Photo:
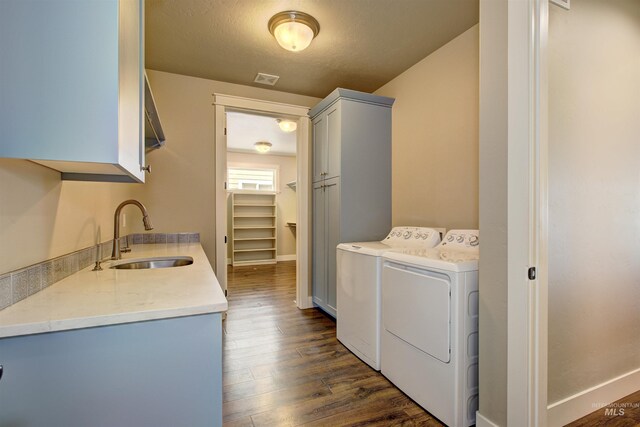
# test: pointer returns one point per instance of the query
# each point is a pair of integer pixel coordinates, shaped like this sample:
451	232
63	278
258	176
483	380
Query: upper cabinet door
72	87
319	147
332	166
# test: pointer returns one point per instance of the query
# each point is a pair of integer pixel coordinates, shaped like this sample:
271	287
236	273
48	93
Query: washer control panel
412	237
461	240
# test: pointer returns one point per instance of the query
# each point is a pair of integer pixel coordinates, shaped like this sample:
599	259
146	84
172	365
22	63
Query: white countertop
109	297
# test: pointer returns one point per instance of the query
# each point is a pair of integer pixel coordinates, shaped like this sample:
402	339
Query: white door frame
527	212
303	160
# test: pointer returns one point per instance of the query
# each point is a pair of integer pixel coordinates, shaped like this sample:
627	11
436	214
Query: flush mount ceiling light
262	146
293	30
287	125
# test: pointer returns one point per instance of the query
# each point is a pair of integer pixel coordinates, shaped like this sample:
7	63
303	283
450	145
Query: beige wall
594	194
435	137
285	199
180	190
42	217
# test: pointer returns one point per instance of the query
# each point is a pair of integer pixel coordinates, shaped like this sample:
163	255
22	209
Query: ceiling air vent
266	79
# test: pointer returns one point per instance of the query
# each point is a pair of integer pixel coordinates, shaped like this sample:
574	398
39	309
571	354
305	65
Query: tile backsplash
19	284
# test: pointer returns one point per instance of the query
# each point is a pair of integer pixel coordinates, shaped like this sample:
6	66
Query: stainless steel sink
157	262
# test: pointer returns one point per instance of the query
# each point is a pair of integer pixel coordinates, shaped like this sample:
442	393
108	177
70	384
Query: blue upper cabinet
72	86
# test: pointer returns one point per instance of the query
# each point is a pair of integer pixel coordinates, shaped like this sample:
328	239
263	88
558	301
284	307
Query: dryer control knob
460	238
450	238
473	241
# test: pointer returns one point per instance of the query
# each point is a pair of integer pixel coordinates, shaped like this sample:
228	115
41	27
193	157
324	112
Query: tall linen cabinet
351	181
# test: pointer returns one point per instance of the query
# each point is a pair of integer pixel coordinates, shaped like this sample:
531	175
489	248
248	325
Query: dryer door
416	308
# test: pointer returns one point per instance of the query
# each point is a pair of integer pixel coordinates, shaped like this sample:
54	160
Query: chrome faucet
115	254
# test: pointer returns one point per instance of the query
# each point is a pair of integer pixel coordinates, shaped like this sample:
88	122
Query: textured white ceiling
362	44
244	130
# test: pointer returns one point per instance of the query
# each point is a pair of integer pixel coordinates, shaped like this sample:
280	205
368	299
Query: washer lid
367	248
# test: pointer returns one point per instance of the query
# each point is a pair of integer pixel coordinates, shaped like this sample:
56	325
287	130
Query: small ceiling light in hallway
262	146
294	30
287	125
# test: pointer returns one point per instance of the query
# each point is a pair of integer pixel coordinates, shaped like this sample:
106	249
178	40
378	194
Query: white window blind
255	179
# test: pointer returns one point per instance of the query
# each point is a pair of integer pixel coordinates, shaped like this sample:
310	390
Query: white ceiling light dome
287	125
262	146
294	30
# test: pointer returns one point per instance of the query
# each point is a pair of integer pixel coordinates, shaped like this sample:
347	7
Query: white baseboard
592	399
308	305
482	421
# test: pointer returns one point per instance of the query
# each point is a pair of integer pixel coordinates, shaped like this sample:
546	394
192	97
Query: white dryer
359	268
429	338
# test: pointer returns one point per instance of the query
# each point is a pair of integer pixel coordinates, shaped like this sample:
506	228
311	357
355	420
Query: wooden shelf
254	225
253	238
255	250
255	262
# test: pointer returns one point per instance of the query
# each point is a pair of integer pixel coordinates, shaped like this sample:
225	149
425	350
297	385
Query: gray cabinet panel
352	180
366	171
157	373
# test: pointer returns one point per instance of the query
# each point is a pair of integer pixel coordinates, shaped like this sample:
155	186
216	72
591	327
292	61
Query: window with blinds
254	179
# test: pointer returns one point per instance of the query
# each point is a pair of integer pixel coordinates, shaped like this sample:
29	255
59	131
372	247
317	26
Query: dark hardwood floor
284	367
623	413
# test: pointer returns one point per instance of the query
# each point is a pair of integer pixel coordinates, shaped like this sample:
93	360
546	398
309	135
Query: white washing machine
429	338
359	268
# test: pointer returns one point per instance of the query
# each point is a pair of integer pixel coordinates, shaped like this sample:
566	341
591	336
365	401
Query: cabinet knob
145	168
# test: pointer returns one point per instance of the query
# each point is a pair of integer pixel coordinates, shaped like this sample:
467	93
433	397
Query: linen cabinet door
332	219
319	263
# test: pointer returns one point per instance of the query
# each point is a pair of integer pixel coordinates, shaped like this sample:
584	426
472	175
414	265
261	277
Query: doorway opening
262	194
261	190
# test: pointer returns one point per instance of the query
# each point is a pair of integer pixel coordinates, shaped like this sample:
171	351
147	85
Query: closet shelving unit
254	234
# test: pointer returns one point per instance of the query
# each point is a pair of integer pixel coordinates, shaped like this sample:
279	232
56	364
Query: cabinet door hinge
225	131
532	273
225	185
225	239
